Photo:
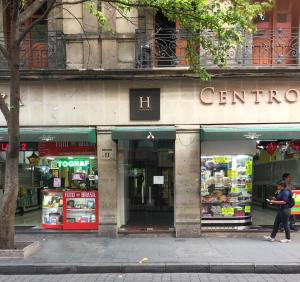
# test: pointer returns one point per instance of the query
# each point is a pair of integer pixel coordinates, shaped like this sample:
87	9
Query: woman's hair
285	175
281	183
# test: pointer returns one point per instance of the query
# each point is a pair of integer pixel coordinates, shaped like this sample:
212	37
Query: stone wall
106	102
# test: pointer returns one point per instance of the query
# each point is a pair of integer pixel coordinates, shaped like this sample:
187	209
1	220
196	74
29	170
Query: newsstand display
52	205
226	191
70	195
73	210
81	210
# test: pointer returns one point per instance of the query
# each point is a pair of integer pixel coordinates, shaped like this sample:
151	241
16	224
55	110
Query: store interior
234	187
47	176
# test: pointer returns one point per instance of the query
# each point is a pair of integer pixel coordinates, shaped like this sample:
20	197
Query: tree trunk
11	188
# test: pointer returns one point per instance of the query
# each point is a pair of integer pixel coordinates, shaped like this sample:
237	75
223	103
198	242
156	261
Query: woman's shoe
285	241
269	238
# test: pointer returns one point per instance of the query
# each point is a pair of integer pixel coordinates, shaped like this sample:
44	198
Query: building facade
157	127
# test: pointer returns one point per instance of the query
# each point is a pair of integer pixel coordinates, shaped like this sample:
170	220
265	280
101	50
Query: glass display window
226	186
81	208
52	204
70	172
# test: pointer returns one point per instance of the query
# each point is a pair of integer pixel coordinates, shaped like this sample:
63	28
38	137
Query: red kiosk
70	210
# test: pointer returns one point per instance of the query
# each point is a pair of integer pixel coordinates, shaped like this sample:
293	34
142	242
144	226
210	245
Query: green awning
141	133
250	133
49	134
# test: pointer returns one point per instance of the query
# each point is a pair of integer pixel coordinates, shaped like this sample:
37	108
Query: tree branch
42	17
3	107
71	3
30	10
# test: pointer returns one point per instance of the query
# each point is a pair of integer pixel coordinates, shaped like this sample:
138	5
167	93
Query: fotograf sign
144	104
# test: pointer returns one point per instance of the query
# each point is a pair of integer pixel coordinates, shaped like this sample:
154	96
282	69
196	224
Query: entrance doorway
147	184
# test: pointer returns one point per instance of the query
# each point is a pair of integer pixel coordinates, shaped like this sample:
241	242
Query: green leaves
93	9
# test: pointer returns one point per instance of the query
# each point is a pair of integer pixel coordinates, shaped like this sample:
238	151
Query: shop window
62	179
226	190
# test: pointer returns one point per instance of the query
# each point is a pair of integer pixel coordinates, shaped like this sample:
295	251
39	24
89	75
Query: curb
150	268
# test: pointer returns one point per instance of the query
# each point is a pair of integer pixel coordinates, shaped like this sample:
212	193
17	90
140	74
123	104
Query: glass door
149	183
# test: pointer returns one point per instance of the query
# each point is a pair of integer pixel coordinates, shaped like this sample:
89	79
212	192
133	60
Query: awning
141	133
250	133
49	134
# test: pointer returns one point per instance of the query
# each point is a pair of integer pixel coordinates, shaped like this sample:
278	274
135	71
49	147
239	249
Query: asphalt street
151	277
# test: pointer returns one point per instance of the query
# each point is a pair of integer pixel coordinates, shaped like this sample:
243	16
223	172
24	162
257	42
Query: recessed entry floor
145	220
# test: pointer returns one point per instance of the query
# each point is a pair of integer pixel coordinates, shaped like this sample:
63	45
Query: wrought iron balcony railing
40	50
266	48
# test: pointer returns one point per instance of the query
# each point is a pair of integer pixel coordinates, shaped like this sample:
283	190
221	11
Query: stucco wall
107	102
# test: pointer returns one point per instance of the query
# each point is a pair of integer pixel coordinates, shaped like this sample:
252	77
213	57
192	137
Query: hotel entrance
146	183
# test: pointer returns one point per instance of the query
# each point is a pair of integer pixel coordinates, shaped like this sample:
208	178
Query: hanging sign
221	160
234	189
247	209
248	167
227	211
295	210
73	163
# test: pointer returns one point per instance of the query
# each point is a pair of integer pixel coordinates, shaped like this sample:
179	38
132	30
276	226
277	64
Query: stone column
107	170
187	182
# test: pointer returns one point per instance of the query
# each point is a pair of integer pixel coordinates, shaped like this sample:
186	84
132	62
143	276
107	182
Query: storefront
146	177
240	166
58	178
169	154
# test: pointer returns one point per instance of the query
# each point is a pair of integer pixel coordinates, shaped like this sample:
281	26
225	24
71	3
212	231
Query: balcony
265	49
40	50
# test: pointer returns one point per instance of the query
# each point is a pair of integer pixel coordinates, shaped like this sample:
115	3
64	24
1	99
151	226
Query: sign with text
295	210
211	95
66	149
78	194
145	104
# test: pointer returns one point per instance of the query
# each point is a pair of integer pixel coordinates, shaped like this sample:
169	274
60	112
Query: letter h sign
144	104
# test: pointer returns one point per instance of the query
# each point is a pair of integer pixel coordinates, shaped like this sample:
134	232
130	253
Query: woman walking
282	200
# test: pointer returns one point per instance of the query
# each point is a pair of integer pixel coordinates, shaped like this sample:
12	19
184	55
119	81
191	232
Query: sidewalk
215	253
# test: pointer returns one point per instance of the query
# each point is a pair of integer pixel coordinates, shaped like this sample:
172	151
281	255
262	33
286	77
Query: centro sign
209	96
72	163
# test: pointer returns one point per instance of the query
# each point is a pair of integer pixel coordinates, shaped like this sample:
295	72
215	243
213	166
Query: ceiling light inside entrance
47	138
252	135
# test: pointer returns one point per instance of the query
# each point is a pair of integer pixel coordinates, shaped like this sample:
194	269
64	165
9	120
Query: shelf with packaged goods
228	203
86	210
81	210
225	217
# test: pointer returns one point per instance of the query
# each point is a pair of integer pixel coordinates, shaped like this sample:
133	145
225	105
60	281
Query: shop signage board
66	149
106	154
296	208
211	95
144	104
72	163
24	146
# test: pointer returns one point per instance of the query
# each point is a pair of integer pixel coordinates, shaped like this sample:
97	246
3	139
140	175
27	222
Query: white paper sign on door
158	179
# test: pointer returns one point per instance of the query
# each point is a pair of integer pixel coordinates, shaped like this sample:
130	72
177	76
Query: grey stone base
22	250
187	230
108	230
150	268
